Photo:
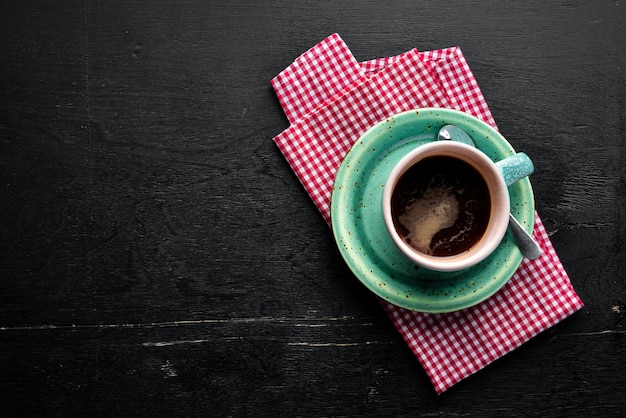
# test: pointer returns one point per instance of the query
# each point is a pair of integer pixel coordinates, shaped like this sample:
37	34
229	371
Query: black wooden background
159	258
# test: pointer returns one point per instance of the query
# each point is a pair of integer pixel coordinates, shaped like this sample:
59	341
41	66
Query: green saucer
365	244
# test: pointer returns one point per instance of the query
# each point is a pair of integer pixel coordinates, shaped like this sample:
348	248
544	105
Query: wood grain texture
159	258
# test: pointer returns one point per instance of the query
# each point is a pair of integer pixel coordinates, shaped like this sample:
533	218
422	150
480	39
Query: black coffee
441	206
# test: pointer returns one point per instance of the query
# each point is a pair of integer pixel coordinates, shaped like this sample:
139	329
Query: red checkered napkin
331	100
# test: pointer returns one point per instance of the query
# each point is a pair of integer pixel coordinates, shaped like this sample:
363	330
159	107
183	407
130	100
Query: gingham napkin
330	100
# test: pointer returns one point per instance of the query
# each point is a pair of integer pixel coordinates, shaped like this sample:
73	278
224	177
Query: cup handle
515	167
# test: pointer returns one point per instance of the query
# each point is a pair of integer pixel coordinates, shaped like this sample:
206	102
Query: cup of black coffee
446	204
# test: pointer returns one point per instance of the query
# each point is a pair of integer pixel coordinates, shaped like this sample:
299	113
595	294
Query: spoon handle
525	242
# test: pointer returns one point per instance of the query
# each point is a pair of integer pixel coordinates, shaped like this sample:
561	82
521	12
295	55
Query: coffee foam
437	209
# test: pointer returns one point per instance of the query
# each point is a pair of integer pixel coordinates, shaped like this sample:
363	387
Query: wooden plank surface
159	258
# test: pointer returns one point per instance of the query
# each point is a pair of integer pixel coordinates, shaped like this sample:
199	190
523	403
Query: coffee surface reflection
441	206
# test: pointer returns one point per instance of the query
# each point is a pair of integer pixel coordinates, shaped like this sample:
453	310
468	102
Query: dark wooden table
159	258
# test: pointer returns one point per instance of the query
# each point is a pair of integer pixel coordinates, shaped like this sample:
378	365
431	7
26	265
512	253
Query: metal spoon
525	242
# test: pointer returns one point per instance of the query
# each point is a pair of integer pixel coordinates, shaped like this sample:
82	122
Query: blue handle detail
515	167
